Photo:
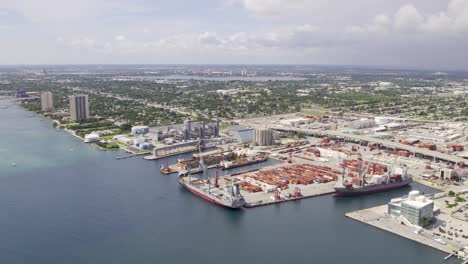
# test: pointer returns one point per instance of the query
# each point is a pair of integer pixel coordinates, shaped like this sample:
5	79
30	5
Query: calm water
246	135
67	202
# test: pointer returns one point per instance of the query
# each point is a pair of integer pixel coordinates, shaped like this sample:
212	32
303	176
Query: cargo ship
228	195
377	183
229	165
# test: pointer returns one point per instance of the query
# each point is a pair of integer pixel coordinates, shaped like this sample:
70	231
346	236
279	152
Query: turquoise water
67	202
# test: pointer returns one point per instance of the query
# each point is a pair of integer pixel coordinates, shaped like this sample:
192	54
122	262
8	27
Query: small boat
165	169
13	164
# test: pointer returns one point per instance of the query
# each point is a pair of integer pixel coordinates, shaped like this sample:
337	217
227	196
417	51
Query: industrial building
190	130
263	137
415	208
187	129
47	102
21	94
363	123
79	107
123	139
140	130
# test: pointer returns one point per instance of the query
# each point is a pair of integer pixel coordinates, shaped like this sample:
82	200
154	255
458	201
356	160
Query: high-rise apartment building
79	107
47	101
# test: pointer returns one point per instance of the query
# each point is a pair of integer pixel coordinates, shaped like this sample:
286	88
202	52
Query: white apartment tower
79	107
47	101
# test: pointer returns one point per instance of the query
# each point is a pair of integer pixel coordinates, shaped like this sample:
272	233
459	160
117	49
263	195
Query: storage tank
91	138
421	198
412	195
140	140
263	137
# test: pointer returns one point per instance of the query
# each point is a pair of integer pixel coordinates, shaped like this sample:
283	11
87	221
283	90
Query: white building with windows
415	208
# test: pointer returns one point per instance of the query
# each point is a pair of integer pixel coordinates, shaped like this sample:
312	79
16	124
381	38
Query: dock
307	191
131	156
125	157
272	201
171	153
209	153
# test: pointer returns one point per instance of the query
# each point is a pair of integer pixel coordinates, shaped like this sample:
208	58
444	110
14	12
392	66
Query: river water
67	202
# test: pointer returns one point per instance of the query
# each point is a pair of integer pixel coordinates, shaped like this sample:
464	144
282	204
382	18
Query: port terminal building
415	208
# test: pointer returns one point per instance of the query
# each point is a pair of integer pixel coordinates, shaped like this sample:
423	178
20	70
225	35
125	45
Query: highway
391	144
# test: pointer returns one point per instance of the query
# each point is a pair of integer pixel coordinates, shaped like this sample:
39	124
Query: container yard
286	182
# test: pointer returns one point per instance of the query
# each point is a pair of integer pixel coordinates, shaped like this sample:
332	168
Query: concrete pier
307	191
378	217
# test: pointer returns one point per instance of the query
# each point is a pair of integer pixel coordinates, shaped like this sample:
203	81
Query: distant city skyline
426	34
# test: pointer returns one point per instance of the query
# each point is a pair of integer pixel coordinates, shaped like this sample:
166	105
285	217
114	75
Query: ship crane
390	169
297	192
203	166
188	167
362	172
277	194
216	184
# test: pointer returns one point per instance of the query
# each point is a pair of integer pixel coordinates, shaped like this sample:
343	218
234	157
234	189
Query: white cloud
273	7
273	31
120	37
408	19
439	23
85	44
52	10
6	28
458	10
381	24
209	38
56	11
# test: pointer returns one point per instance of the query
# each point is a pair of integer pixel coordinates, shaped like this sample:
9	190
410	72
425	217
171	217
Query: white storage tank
139	140
412	195
93	137
421	198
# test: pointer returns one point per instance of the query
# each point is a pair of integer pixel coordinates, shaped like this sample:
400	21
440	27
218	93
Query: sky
426	34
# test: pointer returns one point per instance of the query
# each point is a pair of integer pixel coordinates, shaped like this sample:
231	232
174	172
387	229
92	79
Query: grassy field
314	110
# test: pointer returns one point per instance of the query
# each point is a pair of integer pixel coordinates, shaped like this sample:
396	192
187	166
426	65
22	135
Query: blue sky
397	33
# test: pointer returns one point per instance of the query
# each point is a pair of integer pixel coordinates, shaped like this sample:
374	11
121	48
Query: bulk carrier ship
378	183
230	165
227	196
